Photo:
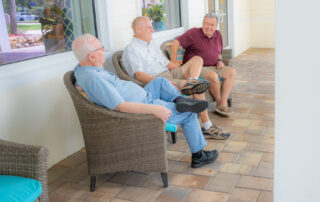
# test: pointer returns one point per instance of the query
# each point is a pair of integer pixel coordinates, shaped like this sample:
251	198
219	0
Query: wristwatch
219	59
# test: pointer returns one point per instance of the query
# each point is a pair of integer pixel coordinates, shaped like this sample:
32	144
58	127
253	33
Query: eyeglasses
102	48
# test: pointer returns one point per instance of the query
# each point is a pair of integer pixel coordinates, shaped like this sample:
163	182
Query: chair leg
164	177
174	137
229	102
93	183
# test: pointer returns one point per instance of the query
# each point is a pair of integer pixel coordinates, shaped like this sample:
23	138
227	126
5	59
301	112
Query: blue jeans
161	92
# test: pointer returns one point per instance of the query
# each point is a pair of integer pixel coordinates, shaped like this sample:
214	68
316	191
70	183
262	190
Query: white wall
197	9
262	24
253	24
297	109
242	26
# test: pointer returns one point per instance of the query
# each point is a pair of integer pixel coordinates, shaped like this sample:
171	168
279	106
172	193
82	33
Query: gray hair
82	46
211	15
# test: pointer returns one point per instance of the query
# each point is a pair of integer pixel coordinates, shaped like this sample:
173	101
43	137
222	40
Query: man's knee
212	77
230	74
198	59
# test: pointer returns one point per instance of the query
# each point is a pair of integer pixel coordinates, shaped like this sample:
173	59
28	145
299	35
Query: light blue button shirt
106	89
144	57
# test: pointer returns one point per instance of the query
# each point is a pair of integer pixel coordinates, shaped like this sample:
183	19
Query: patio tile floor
243	171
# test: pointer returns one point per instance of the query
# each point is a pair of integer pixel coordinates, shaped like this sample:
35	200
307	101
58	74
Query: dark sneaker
184	104
195	87
204	158
224	111
216	133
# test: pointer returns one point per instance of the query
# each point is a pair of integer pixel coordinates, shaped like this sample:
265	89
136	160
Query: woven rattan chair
25	161
116	141
116	60
208	95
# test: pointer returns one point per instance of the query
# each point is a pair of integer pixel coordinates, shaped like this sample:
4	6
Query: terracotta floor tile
234	146
77	174
250	158
105	192
243	195
223	182
138	194
245	138
191	181
129	178
174	155
180	167
260	147
267	138
268	157
173	194
72	191
207	170
100	179
206	196
265	196
237	168
119	200
265	169
241	123
214	144
155	181
227	157
258	183
56	172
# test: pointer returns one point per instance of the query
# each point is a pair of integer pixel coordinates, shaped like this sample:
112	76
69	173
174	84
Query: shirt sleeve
103	93
221	41
186	39
132	61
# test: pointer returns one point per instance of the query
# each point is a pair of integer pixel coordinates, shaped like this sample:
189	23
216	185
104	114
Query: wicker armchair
117	141
25	161
209	96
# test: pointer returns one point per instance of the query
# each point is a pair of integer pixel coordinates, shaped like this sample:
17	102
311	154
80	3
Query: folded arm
159	111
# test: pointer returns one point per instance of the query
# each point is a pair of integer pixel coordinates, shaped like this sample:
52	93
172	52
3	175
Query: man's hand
220	64
172	66
161	112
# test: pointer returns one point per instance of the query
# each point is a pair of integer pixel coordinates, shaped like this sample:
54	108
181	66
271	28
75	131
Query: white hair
82	46
211	15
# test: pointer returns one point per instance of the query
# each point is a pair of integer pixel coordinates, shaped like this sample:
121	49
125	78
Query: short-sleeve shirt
106	89
197	43
144	57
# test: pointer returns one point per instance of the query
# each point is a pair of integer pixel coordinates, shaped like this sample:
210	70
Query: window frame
55	64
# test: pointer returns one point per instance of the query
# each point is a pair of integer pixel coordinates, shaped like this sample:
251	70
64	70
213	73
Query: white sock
207	125
192	78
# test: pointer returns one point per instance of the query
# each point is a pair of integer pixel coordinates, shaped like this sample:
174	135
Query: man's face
209	26
96	57
144	31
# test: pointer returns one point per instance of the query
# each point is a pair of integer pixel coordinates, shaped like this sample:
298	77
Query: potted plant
157	15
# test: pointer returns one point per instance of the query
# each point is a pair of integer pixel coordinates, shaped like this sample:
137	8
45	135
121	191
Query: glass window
33	28
164	14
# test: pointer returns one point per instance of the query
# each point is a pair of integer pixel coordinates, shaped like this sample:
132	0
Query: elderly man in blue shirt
159	97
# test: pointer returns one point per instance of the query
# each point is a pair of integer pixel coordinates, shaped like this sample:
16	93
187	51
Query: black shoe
202	158
195	87
184	104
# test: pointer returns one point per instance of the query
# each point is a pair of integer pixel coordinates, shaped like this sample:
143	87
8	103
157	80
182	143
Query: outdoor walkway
243	171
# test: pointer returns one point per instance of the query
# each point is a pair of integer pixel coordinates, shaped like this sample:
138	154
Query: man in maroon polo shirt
206	42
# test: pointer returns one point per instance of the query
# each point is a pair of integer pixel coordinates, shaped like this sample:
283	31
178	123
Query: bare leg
204	114
213	79
193	67
228	81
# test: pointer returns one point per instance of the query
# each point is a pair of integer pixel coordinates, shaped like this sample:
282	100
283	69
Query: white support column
4	39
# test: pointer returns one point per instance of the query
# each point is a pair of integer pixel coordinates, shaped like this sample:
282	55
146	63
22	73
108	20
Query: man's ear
91	58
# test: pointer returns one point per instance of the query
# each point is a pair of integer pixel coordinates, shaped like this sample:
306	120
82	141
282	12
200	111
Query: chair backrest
118	66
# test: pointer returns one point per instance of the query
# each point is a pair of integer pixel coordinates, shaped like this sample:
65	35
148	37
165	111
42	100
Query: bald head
88	50
142	28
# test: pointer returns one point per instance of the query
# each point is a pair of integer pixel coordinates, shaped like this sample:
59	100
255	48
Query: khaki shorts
175	75
207	69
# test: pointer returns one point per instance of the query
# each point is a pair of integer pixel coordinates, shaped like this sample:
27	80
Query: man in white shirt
144	61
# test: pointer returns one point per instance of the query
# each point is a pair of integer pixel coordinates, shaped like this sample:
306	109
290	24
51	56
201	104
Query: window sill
168	33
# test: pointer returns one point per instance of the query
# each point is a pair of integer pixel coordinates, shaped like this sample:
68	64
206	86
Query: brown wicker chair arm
25	161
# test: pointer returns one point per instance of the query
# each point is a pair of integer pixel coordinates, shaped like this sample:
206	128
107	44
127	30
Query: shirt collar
205	36
88	68
140	42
